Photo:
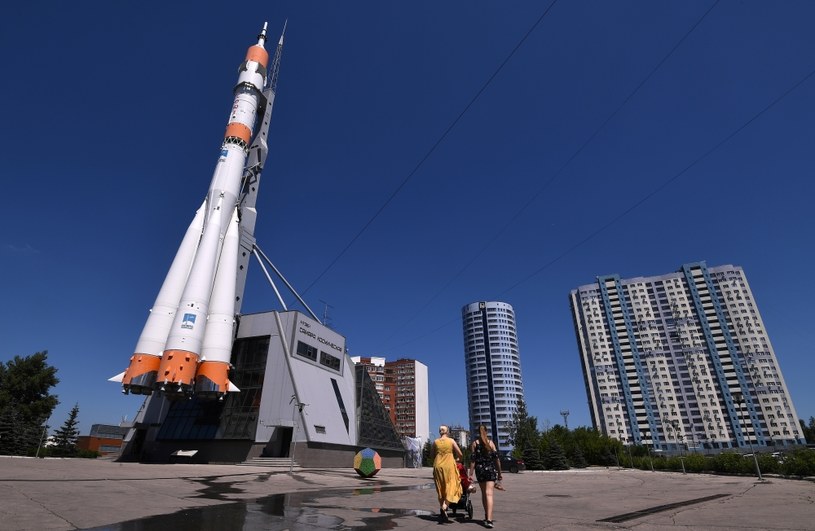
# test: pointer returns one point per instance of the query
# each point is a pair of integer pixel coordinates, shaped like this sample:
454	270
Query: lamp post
630	459
681	438
650	459
44	431
299	405
739	398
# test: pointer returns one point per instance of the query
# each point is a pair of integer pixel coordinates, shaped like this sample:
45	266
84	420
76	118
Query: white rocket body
186	344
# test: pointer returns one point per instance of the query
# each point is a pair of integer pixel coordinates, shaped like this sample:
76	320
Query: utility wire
642	200
432	148
557	173
662	186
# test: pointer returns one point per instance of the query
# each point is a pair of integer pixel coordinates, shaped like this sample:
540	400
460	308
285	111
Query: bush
800	462
731	463
672	463
643	463
769	464
87	454
696	463
607	458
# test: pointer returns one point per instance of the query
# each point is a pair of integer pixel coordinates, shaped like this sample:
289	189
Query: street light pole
44	431
650	459
681	438
299	405
739	398
630	457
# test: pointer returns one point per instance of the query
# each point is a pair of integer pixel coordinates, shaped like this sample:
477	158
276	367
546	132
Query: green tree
597	449
608	457
532	458
426	461
561	434
808	429
523	430
554	457
578	460
11	440
65	437
25	402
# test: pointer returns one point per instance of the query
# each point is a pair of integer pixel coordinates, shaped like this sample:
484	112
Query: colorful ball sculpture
367	463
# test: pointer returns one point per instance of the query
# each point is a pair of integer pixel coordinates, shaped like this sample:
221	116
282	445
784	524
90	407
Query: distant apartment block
461	435
403	387
493	368
682	361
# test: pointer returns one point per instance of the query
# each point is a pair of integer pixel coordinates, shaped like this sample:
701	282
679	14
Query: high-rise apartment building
682	361
460	435
403	387
493	368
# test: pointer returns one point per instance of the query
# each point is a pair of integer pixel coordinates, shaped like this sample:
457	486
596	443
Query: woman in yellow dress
445	474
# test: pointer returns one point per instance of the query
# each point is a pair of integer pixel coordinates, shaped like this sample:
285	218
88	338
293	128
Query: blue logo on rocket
188	321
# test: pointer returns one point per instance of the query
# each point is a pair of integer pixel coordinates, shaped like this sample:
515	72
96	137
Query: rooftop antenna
326	318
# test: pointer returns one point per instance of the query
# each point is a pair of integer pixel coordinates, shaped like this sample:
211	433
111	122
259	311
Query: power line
557	173
643	199
662	186
432	149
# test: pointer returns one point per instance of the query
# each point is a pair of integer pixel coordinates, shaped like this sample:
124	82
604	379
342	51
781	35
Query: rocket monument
186	344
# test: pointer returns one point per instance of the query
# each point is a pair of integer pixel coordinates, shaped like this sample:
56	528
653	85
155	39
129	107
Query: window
333	362
341	402
306	351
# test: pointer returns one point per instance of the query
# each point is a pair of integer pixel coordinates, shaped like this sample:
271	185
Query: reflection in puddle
278	512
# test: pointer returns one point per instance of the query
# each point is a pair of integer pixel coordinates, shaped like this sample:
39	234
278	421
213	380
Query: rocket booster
186	344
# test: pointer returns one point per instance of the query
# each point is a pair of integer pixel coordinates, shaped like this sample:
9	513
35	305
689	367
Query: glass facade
375	426
493	368
233	418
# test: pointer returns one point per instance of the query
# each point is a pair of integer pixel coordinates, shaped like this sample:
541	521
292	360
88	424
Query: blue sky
114	114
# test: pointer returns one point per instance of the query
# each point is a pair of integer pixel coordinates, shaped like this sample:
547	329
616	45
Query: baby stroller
464	502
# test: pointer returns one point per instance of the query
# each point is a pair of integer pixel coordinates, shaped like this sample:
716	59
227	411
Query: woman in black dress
486	467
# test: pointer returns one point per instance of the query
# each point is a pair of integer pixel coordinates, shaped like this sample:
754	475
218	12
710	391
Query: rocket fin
232	388
118	378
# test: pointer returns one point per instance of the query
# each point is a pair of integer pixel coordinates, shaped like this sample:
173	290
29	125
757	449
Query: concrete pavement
67	494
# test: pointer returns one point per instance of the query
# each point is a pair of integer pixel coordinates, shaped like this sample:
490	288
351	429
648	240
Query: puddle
293	511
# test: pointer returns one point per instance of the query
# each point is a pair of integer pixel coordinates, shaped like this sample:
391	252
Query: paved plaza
64	494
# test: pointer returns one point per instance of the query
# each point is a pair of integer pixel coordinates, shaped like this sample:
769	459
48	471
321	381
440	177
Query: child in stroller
464	502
